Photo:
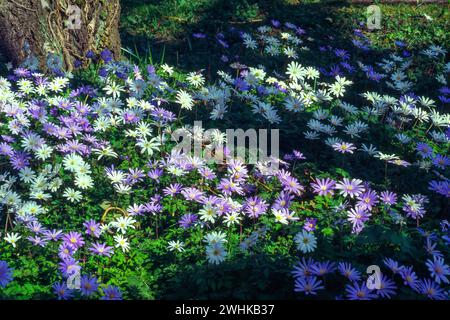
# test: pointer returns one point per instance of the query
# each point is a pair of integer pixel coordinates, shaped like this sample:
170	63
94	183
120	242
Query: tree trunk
37	31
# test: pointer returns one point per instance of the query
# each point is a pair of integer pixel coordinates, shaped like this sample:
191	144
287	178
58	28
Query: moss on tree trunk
31	29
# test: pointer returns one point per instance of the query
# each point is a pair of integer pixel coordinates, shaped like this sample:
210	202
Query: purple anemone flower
6	274
393	265
388	198
441	161
74	239
431	290
88	285
172	190
308	285
187	220
303	268
92	228
367	200
348	271
323	187
409	277
357	291
101	249
62	291
111	293
387	287
438	269
323	268
424	150
350	188
358	216
310	224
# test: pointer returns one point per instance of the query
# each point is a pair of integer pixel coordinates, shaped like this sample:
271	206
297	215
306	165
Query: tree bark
34	30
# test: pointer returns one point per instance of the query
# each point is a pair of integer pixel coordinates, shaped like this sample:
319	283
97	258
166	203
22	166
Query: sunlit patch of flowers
91	173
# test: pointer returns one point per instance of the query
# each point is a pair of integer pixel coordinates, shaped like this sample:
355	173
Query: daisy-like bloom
122	243
303	268
350	188
111	293
162	115
6	149
441	161
232	218
387	287
38	241
431	290
358	216
441	187
349	272
228	186
12	238
62	291
310	224
52	235
148	146
122	188
195	79
388	198
35	227
344	147
83	181
166	68
65	250
367	200
6	274
215	253
295	71
393	265
123	223
413	205
308	285
187	220
207	173
424	150
74	239
357	291
280	216
135	176
172	189
176	246
88	285
438	269
185	100
155	174
323	187
101	249
298	155
255	206
92	228
291	185
283	201
113	89
322	268
208	213
72	195
409	277
192	194
306	241
215	237
136	209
